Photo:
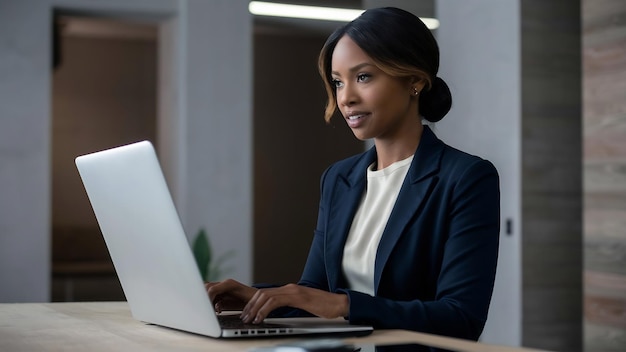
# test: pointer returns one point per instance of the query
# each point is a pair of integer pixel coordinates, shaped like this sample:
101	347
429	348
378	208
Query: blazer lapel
415	189
345	199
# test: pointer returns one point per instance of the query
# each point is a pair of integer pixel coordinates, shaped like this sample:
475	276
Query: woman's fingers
260	305
266	300
317	302
229	294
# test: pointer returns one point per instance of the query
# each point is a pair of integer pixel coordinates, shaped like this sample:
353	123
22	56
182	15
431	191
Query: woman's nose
347	95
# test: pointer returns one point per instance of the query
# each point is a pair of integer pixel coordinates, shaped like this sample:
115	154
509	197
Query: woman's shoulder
458	163
434	152
453	156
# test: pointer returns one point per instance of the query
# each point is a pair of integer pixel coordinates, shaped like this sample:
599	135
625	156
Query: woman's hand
318	302
229	294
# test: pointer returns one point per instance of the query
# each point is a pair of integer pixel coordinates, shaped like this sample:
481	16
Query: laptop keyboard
233	321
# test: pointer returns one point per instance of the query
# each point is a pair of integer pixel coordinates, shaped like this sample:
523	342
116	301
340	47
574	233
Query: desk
109	326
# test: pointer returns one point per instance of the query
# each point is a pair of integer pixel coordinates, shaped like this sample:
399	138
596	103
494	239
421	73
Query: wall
24	152
293	145
216	80
551	174
480	61
604	123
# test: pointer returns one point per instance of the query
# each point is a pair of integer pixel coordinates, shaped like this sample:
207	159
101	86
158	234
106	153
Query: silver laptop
152	256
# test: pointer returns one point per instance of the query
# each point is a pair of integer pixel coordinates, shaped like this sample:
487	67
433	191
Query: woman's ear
417	83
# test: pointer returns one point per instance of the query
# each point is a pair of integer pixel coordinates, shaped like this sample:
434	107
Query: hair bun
435	103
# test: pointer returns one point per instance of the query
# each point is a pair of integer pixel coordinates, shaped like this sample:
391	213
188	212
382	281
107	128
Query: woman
407	232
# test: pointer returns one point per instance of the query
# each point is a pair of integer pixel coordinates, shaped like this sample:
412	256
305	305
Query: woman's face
373	103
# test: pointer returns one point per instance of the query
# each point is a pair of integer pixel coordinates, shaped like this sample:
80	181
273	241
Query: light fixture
262	8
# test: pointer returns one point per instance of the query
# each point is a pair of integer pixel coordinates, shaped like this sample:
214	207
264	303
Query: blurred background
233	103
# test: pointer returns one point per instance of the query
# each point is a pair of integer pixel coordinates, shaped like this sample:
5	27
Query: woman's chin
360	135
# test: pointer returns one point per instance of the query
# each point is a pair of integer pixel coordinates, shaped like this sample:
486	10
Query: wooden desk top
108	326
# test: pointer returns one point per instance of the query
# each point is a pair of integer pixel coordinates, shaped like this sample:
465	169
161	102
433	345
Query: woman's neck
398	148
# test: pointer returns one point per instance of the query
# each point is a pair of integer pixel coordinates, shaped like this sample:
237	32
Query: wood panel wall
604	127
551	175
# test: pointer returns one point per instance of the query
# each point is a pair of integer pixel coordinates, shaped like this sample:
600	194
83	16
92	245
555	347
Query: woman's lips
356	119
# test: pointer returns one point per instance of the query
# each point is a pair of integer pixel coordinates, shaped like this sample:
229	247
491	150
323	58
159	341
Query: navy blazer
436	261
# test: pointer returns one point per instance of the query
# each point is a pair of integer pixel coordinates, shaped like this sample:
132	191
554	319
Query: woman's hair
400	45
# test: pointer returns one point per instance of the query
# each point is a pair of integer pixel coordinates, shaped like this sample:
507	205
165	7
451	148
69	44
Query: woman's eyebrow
354	68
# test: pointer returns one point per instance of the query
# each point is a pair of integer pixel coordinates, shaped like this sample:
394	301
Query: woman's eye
363	77
336	83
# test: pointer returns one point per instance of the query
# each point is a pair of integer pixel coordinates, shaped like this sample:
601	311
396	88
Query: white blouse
359	253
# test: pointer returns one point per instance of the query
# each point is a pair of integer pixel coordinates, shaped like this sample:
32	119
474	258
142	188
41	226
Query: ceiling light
261	8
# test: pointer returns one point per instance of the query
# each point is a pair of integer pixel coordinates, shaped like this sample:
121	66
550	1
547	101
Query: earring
415	91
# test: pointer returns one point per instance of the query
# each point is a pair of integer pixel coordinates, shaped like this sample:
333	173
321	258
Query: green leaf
211	268
216	268
202	253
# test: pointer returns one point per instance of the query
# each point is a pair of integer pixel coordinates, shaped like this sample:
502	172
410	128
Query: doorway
104	94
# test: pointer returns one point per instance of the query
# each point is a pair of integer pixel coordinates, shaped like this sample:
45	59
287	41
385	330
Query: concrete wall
480	61
24	151
217	137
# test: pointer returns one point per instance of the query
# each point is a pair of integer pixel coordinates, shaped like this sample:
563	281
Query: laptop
151	254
